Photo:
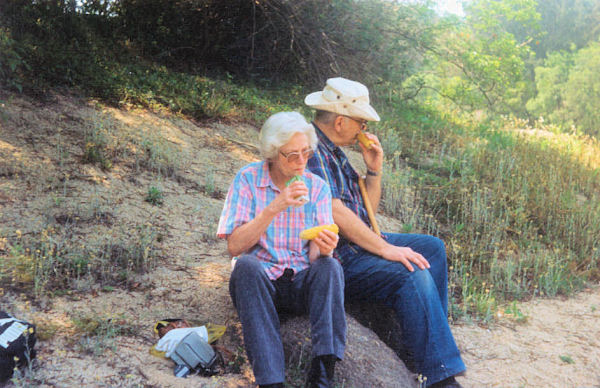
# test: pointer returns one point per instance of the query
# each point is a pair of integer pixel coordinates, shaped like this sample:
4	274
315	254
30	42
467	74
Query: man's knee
438	245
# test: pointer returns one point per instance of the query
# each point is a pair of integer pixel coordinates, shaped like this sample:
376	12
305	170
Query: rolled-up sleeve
238	208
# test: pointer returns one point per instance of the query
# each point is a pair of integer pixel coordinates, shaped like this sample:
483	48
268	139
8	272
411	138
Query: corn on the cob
311	233
364	140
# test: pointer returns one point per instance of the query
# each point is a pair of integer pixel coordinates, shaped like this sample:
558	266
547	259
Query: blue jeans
419	300
317	290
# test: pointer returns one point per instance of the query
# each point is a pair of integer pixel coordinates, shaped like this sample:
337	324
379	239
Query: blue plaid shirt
331	164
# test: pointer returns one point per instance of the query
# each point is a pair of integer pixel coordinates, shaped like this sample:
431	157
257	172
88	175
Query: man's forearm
355	230
373	184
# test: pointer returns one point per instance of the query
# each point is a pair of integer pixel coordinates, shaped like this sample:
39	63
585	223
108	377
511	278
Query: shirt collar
264	178
331	147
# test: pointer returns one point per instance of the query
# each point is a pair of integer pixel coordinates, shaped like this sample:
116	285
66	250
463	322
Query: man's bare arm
373	184
355	230
373	157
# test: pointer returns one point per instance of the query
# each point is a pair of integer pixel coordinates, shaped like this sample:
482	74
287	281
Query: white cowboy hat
344	97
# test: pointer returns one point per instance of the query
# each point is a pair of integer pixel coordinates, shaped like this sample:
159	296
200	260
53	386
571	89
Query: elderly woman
277	271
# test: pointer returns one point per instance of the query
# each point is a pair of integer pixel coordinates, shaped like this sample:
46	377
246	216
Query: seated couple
277	271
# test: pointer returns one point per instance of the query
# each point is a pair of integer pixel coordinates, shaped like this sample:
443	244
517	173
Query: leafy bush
279	39
11	63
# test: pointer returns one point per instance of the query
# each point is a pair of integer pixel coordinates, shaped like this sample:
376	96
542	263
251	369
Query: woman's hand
288	196
323	244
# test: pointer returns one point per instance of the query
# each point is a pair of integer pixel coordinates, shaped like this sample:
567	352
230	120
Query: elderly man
262	219
404	271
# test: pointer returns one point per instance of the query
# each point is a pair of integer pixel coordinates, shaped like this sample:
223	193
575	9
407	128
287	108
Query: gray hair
325	117
280	128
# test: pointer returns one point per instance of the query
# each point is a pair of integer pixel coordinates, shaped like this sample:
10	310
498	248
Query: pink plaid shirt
280	246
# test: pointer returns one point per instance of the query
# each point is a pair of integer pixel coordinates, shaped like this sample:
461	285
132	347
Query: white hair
280	128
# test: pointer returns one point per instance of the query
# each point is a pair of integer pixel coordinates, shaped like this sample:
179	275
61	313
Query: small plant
567	359
100	143
98	333
209	185
236	362
298	366
513	311
155	196
156	154
25	376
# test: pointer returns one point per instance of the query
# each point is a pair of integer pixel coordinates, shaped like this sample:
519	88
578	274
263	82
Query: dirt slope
44	181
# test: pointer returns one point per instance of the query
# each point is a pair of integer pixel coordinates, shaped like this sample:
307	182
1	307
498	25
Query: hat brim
364	111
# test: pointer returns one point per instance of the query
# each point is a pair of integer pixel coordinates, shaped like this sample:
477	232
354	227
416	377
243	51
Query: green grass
519	209
97	334
54	259
200	97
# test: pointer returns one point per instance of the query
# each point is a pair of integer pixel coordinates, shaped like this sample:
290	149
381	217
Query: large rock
382	321
368	361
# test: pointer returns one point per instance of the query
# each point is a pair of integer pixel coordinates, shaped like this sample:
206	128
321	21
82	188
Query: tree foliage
485	61
568	89
582	91
300	41
565	23
481	64
550	80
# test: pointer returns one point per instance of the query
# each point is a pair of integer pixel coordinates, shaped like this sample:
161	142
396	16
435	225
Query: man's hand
288	196
405	256
373	156
325	242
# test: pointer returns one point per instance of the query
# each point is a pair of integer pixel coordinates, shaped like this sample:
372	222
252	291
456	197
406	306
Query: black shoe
450	382
321	372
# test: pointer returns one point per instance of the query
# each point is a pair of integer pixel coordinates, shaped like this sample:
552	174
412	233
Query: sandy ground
42	178
557	346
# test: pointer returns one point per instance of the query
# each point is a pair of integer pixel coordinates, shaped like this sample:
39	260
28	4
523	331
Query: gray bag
193	353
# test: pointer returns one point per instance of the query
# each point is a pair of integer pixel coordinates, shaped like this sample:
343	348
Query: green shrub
11	63
155	196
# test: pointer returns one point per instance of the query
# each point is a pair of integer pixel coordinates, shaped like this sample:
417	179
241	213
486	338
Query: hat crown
345	90
345	97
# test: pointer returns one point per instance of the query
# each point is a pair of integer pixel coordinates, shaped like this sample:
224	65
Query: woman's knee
246	268
328	265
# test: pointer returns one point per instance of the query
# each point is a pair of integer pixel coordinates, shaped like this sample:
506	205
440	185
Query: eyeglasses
362	123
293	157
